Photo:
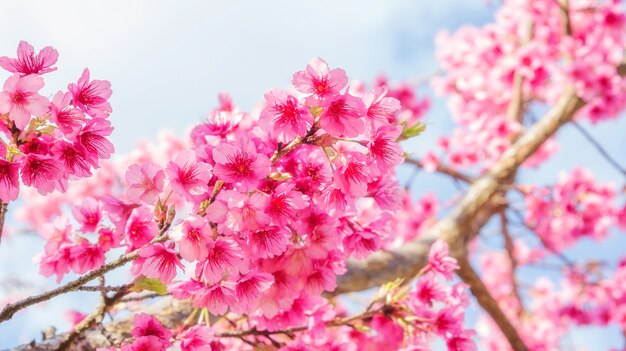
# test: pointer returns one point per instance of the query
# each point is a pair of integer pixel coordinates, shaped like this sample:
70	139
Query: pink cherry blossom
249	287
384	148
92	139
9	180
354	175
85	257
343	116
197	338
146	325
267	242
319	79
66	117
284	203
240	164
439	260
145	182
380	107
88	214
43	173
216	298
91	96
145	343
73	157
224	256
289	118
160	262
193	236
188	177
28	63
20	100
140	228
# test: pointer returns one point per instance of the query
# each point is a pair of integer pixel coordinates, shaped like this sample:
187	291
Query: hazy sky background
168	60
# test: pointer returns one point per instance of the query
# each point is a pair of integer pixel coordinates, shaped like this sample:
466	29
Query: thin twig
443	169
289	331
294	144
566	260
599	147
141	297
94	318
104	288
9	310
3	212
510	249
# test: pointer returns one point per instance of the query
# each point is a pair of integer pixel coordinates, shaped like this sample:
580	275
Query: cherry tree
249	231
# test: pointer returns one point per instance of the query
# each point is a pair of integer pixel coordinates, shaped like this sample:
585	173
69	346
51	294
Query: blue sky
168	60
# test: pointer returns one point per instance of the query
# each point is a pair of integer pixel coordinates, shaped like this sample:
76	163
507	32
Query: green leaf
412	131
151	284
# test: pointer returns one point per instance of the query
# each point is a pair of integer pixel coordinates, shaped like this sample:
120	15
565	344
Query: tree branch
510	249
489	304
94	318
471	214
3	213
599	147
443	169
10	309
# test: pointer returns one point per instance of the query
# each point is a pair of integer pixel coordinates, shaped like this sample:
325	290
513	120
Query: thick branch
471	214
489	304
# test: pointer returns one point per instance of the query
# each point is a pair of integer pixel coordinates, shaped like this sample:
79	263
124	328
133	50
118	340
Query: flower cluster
394	321
47	142
522	61
574	207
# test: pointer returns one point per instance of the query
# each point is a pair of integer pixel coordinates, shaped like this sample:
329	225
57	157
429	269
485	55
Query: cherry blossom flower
88	214
91	96
267	242
140	228
343	116
43	173
92	139
146	325
240	164
197	338
284	203
160	262
187	176
384	148
440	261
28	63
9	180
289	118
145	182
69	119
193	236
224	256
319	79
20	100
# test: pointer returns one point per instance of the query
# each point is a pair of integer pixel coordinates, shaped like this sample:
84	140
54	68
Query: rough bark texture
482	201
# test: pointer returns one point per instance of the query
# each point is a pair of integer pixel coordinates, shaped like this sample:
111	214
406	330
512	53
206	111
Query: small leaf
151	284
412	131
